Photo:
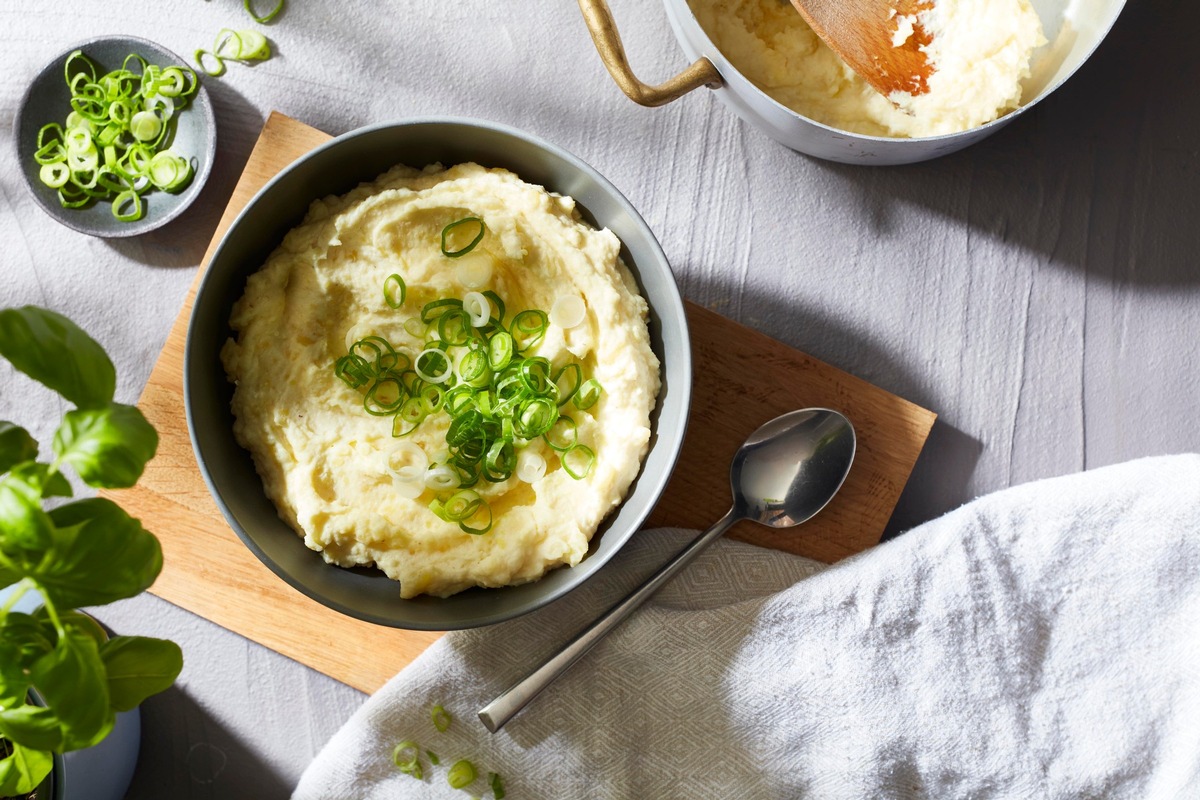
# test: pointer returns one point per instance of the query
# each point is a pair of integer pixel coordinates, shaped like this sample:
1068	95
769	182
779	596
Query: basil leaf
100	554
108	447
71	680
138	667
23	641
31	726
23	771
16	445
14	683
41	482
78	622
56	352
24	526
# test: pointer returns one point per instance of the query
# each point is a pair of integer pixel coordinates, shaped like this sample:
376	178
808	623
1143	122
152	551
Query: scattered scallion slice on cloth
407	758
462	774
265	18
115	143
441	718
243	47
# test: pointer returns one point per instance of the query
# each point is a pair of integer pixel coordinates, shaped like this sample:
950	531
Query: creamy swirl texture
333	470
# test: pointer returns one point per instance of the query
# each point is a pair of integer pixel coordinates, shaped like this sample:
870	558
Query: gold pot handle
603	28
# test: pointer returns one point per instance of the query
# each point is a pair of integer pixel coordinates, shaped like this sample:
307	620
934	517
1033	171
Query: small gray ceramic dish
335	168
49	100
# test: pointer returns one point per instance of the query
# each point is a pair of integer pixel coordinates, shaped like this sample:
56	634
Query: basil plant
80	553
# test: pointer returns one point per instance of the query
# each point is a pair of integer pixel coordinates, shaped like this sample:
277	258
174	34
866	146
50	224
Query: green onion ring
563	434
572	465
264	19
448	253
393	397
394	291
129	200
407	758
461	774
588	394
214	72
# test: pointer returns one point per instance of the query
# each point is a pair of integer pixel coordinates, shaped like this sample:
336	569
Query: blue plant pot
103	772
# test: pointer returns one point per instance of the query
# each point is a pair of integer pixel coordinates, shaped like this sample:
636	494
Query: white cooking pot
1074	28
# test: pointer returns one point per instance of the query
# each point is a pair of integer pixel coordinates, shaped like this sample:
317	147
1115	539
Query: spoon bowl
791	467
782	475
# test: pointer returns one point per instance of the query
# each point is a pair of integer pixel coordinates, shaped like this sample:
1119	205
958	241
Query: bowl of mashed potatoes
437	373
991	60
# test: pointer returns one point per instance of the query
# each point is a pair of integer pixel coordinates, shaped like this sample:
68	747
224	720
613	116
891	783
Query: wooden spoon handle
603	28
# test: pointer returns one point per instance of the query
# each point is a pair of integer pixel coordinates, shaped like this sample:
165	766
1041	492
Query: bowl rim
673	429
201	102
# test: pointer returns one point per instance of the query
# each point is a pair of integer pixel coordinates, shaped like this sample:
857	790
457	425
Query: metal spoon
861	32
786	472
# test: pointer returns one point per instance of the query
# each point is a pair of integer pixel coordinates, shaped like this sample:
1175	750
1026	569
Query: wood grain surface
209	571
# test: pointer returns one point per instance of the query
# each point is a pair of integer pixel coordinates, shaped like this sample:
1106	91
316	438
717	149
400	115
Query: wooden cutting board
209	571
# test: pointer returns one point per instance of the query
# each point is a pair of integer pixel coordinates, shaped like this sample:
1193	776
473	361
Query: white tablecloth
1038	290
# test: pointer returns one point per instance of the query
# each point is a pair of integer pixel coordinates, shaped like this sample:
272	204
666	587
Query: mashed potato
980	52
336	473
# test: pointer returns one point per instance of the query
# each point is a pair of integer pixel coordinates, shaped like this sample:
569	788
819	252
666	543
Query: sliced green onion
384	397
563	434
407	758
216	71
567	380
461	774
433	365
477	308
473	369
243	46
529	327
496	784
535	374
127	206
500	461
433	758
484	514
497	401
54	175
535	416
108	146
441	718
500	350
459	506
145	126
431	311
577	462
588	394
441	477
394	291
353	370
531	467
568	311
469	222
265	18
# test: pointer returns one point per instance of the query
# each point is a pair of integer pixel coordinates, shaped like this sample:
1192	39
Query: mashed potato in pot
393	414
980	52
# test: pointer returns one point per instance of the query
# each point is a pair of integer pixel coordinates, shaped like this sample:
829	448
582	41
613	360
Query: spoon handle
508	704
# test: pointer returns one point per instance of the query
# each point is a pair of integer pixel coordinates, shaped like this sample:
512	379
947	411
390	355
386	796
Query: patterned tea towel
1043	641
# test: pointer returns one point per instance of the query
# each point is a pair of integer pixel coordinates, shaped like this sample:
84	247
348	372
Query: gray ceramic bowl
49	100
335	168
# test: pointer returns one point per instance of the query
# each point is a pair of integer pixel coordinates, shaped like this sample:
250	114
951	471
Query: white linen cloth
1043	641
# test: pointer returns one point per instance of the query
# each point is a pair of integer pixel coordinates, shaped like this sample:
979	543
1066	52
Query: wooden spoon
861	31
